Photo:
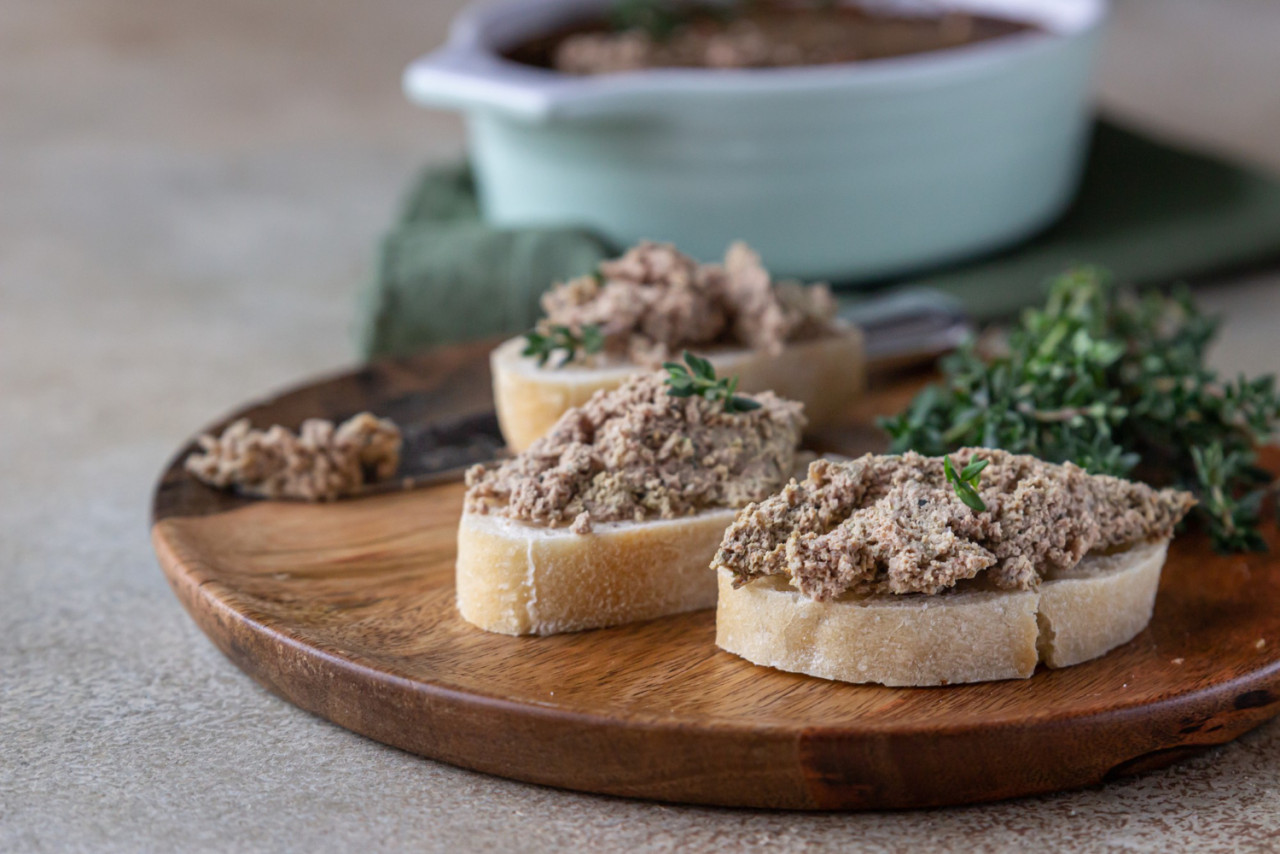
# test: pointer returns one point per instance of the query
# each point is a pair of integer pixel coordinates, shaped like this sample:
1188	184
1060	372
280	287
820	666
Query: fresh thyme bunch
1116	383
699	378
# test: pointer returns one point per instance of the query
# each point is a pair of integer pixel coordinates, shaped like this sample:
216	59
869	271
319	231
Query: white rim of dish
469	70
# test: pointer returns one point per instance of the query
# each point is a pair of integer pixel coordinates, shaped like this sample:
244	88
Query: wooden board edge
802	769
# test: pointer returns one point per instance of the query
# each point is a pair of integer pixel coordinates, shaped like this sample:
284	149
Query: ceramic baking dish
849	171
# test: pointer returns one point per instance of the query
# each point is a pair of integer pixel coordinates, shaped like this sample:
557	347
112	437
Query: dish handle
455	77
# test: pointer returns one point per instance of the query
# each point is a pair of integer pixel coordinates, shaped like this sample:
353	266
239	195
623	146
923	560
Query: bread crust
972	635
1099	604
519	579
825	374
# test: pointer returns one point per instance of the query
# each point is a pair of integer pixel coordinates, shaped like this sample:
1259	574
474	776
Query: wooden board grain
347	611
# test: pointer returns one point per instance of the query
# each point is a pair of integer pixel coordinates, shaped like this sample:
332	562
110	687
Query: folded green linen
1148	211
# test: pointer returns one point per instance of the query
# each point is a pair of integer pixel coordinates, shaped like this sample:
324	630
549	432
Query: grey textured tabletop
188	196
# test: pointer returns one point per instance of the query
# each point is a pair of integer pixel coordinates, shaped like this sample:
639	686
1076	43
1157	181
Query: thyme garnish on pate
966	482
588	339
1117	383
699	378
660	19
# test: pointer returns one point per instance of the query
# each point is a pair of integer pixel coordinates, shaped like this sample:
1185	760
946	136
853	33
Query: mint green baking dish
842	172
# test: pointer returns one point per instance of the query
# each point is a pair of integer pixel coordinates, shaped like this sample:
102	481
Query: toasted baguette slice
971	635
520	579
825	374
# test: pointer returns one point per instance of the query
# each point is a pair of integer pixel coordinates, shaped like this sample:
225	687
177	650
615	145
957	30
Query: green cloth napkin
1148	211
443	275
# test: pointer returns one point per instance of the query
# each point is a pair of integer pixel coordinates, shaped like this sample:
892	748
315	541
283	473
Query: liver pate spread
761	35
322	462
636	453
893	524
655	301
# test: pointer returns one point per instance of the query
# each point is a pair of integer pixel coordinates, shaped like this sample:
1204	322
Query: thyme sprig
588	339
966	482
1235	518
658	19
699	378
1117	383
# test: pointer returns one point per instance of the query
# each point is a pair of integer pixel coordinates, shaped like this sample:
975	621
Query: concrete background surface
189	193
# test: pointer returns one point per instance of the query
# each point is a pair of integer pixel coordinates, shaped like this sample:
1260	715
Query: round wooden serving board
347	611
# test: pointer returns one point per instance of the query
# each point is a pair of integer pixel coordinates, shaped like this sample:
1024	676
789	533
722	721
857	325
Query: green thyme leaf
701	368
542	345
734	402
661	19
1234	515
966	483
697	376
973	469
592	339
658	19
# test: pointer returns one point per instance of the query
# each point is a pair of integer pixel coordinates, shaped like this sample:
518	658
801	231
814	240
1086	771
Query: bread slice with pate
654	302
972	634
614	515
826	374
519	579
875	570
